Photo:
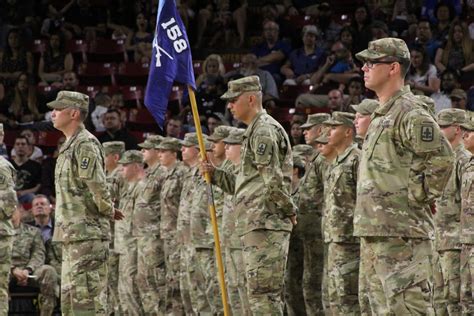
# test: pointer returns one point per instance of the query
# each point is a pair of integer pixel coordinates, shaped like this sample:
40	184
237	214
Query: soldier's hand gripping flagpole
172	61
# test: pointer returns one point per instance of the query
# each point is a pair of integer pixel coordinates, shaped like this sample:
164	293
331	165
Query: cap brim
369	55
469	127
187	144
307	125
333	123
214	138
144	146
230	95
56	105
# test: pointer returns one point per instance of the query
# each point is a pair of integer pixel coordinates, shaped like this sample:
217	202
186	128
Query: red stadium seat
290	93
39	46
78	49
133	74
49	138
97	73
132	95
91	91
197	66
141	120
107	50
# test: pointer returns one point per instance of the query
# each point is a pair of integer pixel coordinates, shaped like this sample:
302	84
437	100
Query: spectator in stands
449	82
422	75
355	91
334	101
54	22
15	60
458	52
117	103
296	133
28	264
214	120
83	19
210	85
458	99
272	52
28	171
70	82
361	25
3	147
140	40
47	172
114	130
102	105
326	23
42	213
219	18
346	37
379	29
211	66
34	152
444	15
338	68
174	127
304	61
249	67
55	61
425	38
20	103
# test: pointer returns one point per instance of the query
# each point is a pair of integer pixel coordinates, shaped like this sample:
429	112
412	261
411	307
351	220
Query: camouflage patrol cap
469	124
448	117
236	137
303	149
385	47
191	139
1	129
239	86
323	138
315	119
115	147
66	99
151	142
131	156
220	132
366	107
458	93
169	143
341	118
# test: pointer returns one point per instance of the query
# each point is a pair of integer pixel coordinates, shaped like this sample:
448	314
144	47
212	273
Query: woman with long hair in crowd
55	61
422	75
14	59
458	51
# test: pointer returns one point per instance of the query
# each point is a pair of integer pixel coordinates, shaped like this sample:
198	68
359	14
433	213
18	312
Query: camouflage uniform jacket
310	199
340	197
230	227
8	200
123	228
183	227
467	204
262	186
200	220
83	205
170	198
146	216
404	167
448	206
116	185
28	248
54	255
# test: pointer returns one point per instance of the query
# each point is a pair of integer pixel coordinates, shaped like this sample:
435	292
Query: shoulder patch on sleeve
85	162
2	179
427	132
261	148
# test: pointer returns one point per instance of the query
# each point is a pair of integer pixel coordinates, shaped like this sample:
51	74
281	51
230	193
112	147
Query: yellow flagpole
210	202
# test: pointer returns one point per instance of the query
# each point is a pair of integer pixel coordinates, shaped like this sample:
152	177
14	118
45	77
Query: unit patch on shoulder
261	148
427	133
85	162
2	179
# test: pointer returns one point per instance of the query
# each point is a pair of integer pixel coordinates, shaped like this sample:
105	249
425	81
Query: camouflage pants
294	298
205	291
47	282
237	285
265	255
364	304
325	282
313	276
174	304
467	279
450	261
399	274
113	297
185	265
6	243
128	289
84	278
343	277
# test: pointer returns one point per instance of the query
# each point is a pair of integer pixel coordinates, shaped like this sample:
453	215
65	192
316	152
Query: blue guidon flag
171	60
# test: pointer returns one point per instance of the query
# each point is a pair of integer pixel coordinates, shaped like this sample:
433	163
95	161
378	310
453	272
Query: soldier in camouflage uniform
84	209
191	159
467	235
133	172
173	176
234	262
205	295
113	151
262	195
306	151
448	212
304	271
468	136
146	221
339	202
27	266
404	166
8	202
